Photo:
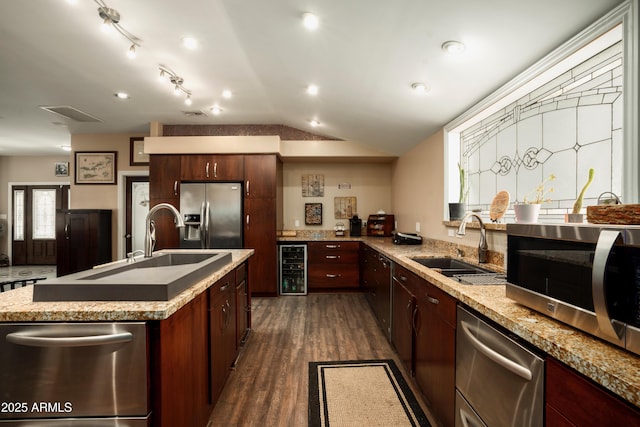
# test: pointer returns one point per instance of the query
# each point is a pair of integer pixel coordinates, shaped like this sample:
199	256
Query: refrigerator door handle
206	225
203	212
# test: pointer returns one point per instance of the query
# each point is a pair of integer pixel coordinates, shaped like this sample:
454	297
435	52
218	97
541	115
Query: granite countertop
614	368
18	306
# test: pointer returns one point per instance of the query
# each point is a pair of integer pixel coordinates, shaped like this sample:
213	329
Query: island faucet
482	246
150	234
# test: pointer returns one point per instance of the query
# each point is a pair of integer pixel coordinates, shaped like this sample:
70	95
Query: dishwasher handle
496	357
21	338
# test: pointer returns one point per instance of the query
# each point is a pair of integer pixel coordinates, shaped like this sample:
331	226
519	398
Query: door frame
122	194
10	186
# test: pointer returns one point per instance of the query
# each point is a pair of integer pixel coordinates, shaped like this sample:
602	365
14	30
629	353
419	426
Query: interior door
137	208
34	222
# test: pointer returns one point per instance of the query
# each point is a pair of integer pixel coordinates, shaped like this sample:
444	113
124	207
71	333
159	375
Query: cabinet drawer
335	257
241	273
443	303
333	246
337	276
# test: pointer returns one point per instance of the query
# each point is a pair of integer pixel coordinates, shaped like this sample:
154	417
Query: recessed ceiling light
310	21
121	95
420	87
227	94
190	43
65	147
453	47
312	89
216	110
314	123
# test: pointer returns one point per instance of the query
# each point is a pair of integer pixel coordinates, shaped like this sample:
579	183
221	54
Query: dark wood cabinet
404	311
377	286
180	381
574	400
333	265
263	218
83	239
164	187
222	326
243	313
216	167
435	357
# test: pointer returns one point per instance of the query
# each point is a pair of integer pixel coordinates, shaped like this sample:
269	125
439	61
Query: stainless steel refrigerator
212	214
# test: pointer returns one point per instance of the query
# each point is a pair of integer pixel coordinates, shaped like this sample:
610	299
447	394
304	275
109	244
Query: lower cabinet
192	353
404	312
333	265
376	283
222	327
573	400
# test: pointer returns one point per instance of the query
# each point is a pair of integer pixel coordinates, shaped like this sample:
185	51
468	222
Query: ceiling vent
198	113
71	113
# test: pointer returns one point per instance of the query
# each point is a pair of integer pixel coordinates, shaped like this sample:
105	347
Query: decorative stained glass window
44	213
18	215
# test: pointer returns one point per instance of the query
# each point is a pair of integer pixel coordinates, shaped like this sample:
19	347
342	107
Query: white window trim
626	14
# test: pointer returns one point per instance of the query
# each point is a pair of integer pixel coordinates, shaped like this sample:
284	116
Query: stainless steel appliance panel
465	415
219	207
61	370
502	380
587	276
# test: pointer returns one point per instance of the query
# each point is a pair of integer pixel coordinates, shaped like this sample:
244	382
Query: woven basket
613	214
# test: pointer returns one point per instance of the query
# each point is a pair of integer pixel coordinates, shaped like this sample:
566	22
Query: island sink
158	278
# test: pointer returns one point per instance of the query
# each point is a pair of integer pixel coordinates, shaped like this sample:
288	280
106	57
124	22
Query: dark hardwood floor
269	385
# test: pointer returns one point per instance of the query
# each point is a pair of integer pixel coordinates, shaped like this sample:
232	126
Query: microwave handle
606	241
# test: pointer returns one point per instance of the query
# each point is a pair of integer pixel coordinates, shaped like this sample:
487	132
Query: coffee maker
355	226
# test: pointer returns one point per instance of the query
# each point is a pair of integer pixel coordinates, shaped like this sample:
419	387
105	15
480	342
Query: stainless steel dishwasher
74	374
499	382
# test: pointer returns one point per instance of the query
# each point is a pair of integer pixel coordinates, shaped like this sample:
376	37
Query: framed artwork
137	156
312	185
62	169
313	213
95	167
344	207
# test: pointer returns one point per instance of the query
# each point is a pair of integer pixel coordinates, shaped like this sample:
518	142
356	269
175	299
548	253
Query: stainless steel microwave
586	275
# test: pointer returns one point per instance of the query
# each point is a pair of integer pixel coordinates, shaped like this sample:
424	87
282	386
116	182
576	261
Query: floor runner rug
361	393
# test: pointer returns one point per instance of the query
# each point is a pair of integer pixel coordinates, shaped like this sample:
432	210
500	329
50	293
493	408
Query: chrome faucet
150	234
482	246
131	256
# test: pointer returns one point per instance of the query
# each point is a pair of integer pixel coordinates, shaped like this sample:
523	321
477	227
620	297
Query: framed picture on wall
95	167
313	213
137	156
62	169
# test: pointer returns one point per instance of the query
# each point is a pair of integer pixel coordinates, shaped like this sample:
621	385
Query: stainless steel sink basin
462	271
158	278
450	266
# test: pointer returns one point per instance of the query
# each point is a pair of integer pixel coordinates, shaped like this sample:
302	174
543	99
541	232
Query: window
44	214
566	118
18	215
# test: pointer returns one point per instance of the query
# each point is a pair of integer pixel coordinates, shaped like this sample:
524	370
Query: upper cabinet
164	177
261	176
217	167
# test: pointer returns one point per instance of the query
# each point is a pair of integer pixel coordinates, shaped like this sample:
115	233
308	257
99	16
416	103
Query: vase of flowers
457	210
529	210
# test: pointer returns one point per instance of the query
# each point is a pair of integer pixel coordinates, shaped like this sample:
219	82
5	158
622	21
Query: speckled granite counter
612	367
18	305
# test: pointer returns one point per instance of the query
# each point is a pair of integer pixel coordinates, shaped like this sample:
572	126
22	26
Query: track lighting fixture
167	73
111	19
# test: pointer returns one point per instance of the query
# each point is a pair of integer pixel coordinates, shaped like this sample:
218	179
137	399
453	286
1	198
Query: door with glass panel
34	223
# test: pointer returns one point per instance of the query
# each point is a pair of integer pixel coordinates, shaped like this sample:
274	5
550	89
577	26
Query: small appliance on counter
380	224
406	238
355	226
339	229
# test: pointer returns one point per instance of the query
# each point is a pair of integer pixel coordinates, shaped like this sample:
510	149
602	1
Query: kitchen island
611	367
173	357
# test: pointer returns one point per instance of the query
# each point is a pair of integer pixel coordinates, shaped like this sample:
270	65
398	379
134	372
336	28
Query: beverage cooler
293	270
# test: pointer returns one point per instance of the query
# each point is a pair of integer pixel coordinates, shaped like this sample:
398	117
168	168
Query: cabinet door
576	401
435	351
219	311
222	167
402	329
260	235
260	175
164	176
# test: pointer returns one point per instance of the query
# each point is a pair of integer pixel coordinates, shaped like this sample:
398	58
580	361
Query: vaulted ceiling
364	58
